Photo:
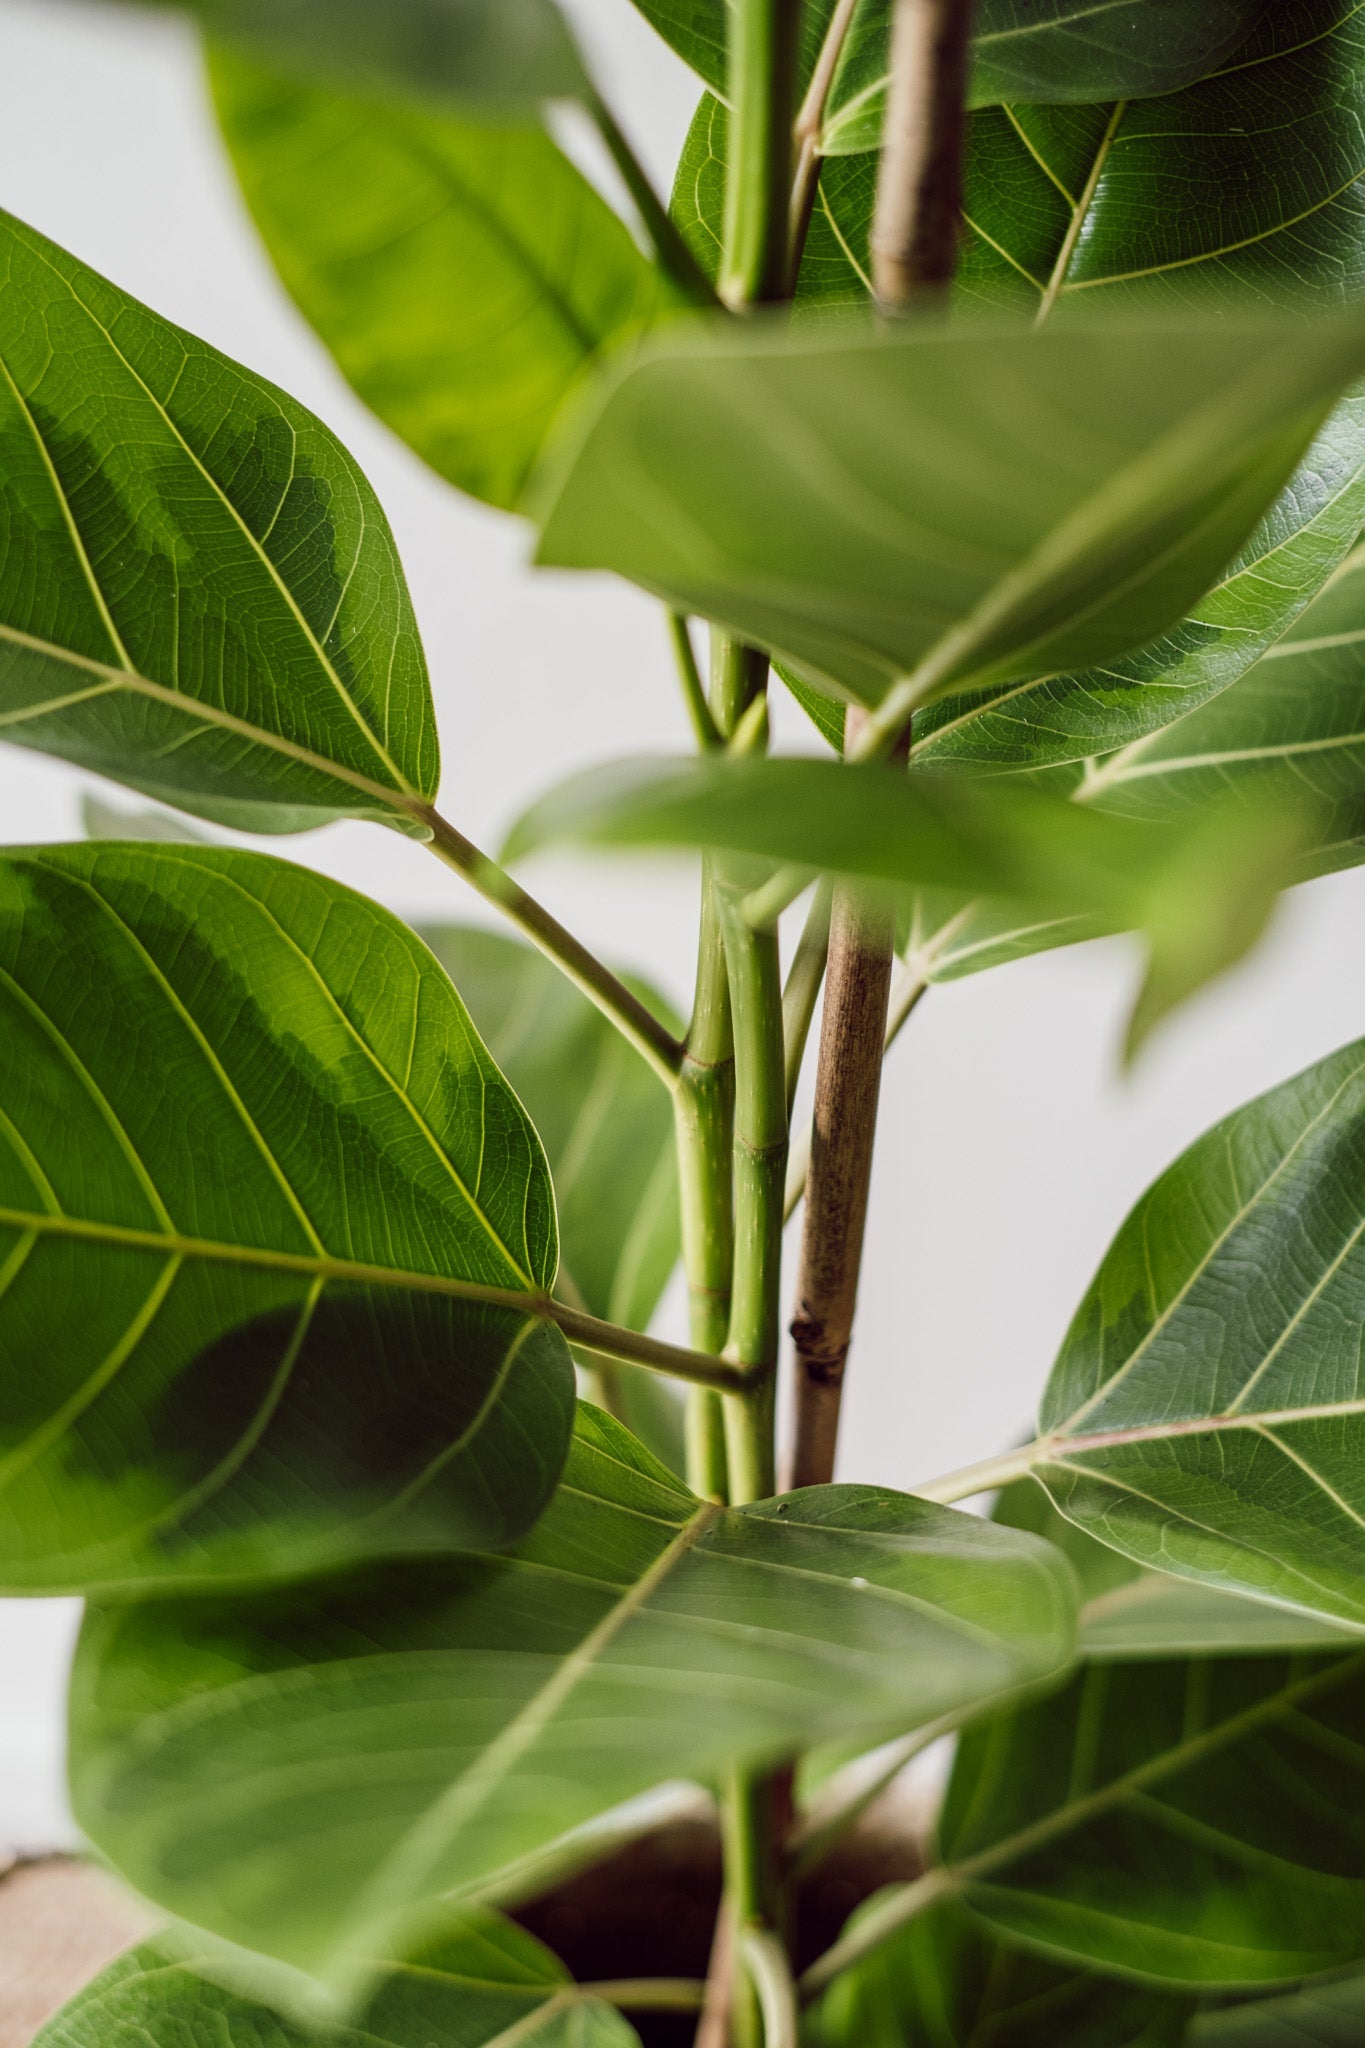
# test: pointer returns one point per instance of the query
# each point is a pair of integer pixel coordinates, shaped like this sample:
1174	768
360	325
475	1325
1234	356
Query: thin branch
810	122
590	1333
765	1959
665	236
651	1039
802	989
906	994
919	182
985	1477
847	1087
762	907
649	1994
705	730
713	2028
897	1909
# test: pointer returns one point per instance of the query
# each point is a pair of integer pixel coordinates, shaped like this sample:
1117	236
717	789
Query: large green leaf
947	1982
1196	1823
1320	2016
1129	1613
1021	50
252	1157
302	1769
607	1128
480	1982
1206	1414
1049	51
199	594
465	276
497	56
966	506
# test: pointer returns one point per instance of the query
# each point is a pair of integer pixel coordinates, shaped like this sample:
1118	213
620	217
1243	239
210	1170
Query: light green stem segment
764	39
704	1112
664	234
751	1830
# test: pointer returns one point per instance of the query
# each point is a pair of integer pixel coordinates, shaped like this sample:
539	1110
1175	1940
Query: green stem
765	1960
704	1114
755	263
750	1830
665	236
708	733
653	1040
803	986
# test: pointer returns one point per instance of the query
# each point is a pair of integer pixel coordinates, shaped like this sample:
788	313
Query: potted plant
991	384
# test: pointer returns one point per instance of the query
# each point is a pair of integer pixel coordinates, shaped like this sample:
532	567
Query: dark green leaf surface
1246	181
607	1128
1195	1823
464	276
947	1982
250	1144
297	1771
1021	50
480	1983
1050	51
1321	2016
1206	1413
199	595
1129	1613
943	504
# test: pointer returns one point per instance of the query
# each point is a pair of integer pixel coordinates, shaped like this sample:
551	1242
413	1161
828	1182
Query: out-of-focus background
1010	1147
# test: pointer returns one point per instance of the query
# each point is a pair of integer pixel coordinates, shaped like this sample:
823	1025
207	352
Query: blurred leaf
966	505
465	277
107	821
480	1982
1021	50
250	1146
496	56
1128	1613
947	1982
1191	1823
607	1128
298	1770
1206	1413
1201	893
199	595
1319	2016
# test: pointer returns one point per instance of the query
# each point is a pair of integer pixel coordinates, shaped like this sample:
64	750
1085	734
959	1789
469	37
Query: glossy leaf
607	1127
1128	1613
942	503
251	1148
1049	51
1206	1412
1320	2016
498	56
1192	1823
1021	50
199	595
296	1771
481	1982
464	276
947	1982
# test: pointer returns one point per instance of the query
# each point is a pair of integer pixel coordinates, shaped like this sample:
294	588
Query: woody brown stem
919	181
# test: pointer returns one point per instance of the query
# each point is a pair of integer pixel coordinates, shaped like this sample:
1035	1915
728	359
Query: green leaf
1129	1613
498	56
164	828
965	506
297	1771
947	1982
1021	50
1190	1823
1053	51
479	1982
1178	199
199	595
1202	894
607	1128
254	1164
1206	1413
1320	2016
465	276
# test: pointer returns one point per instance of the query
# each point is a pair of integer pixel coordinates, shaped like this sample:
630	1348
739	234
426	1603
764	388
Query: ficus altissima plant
993	383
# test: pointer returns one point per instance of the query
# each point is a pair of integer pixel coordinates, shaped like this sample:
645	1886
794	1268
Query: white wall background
1010	1149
